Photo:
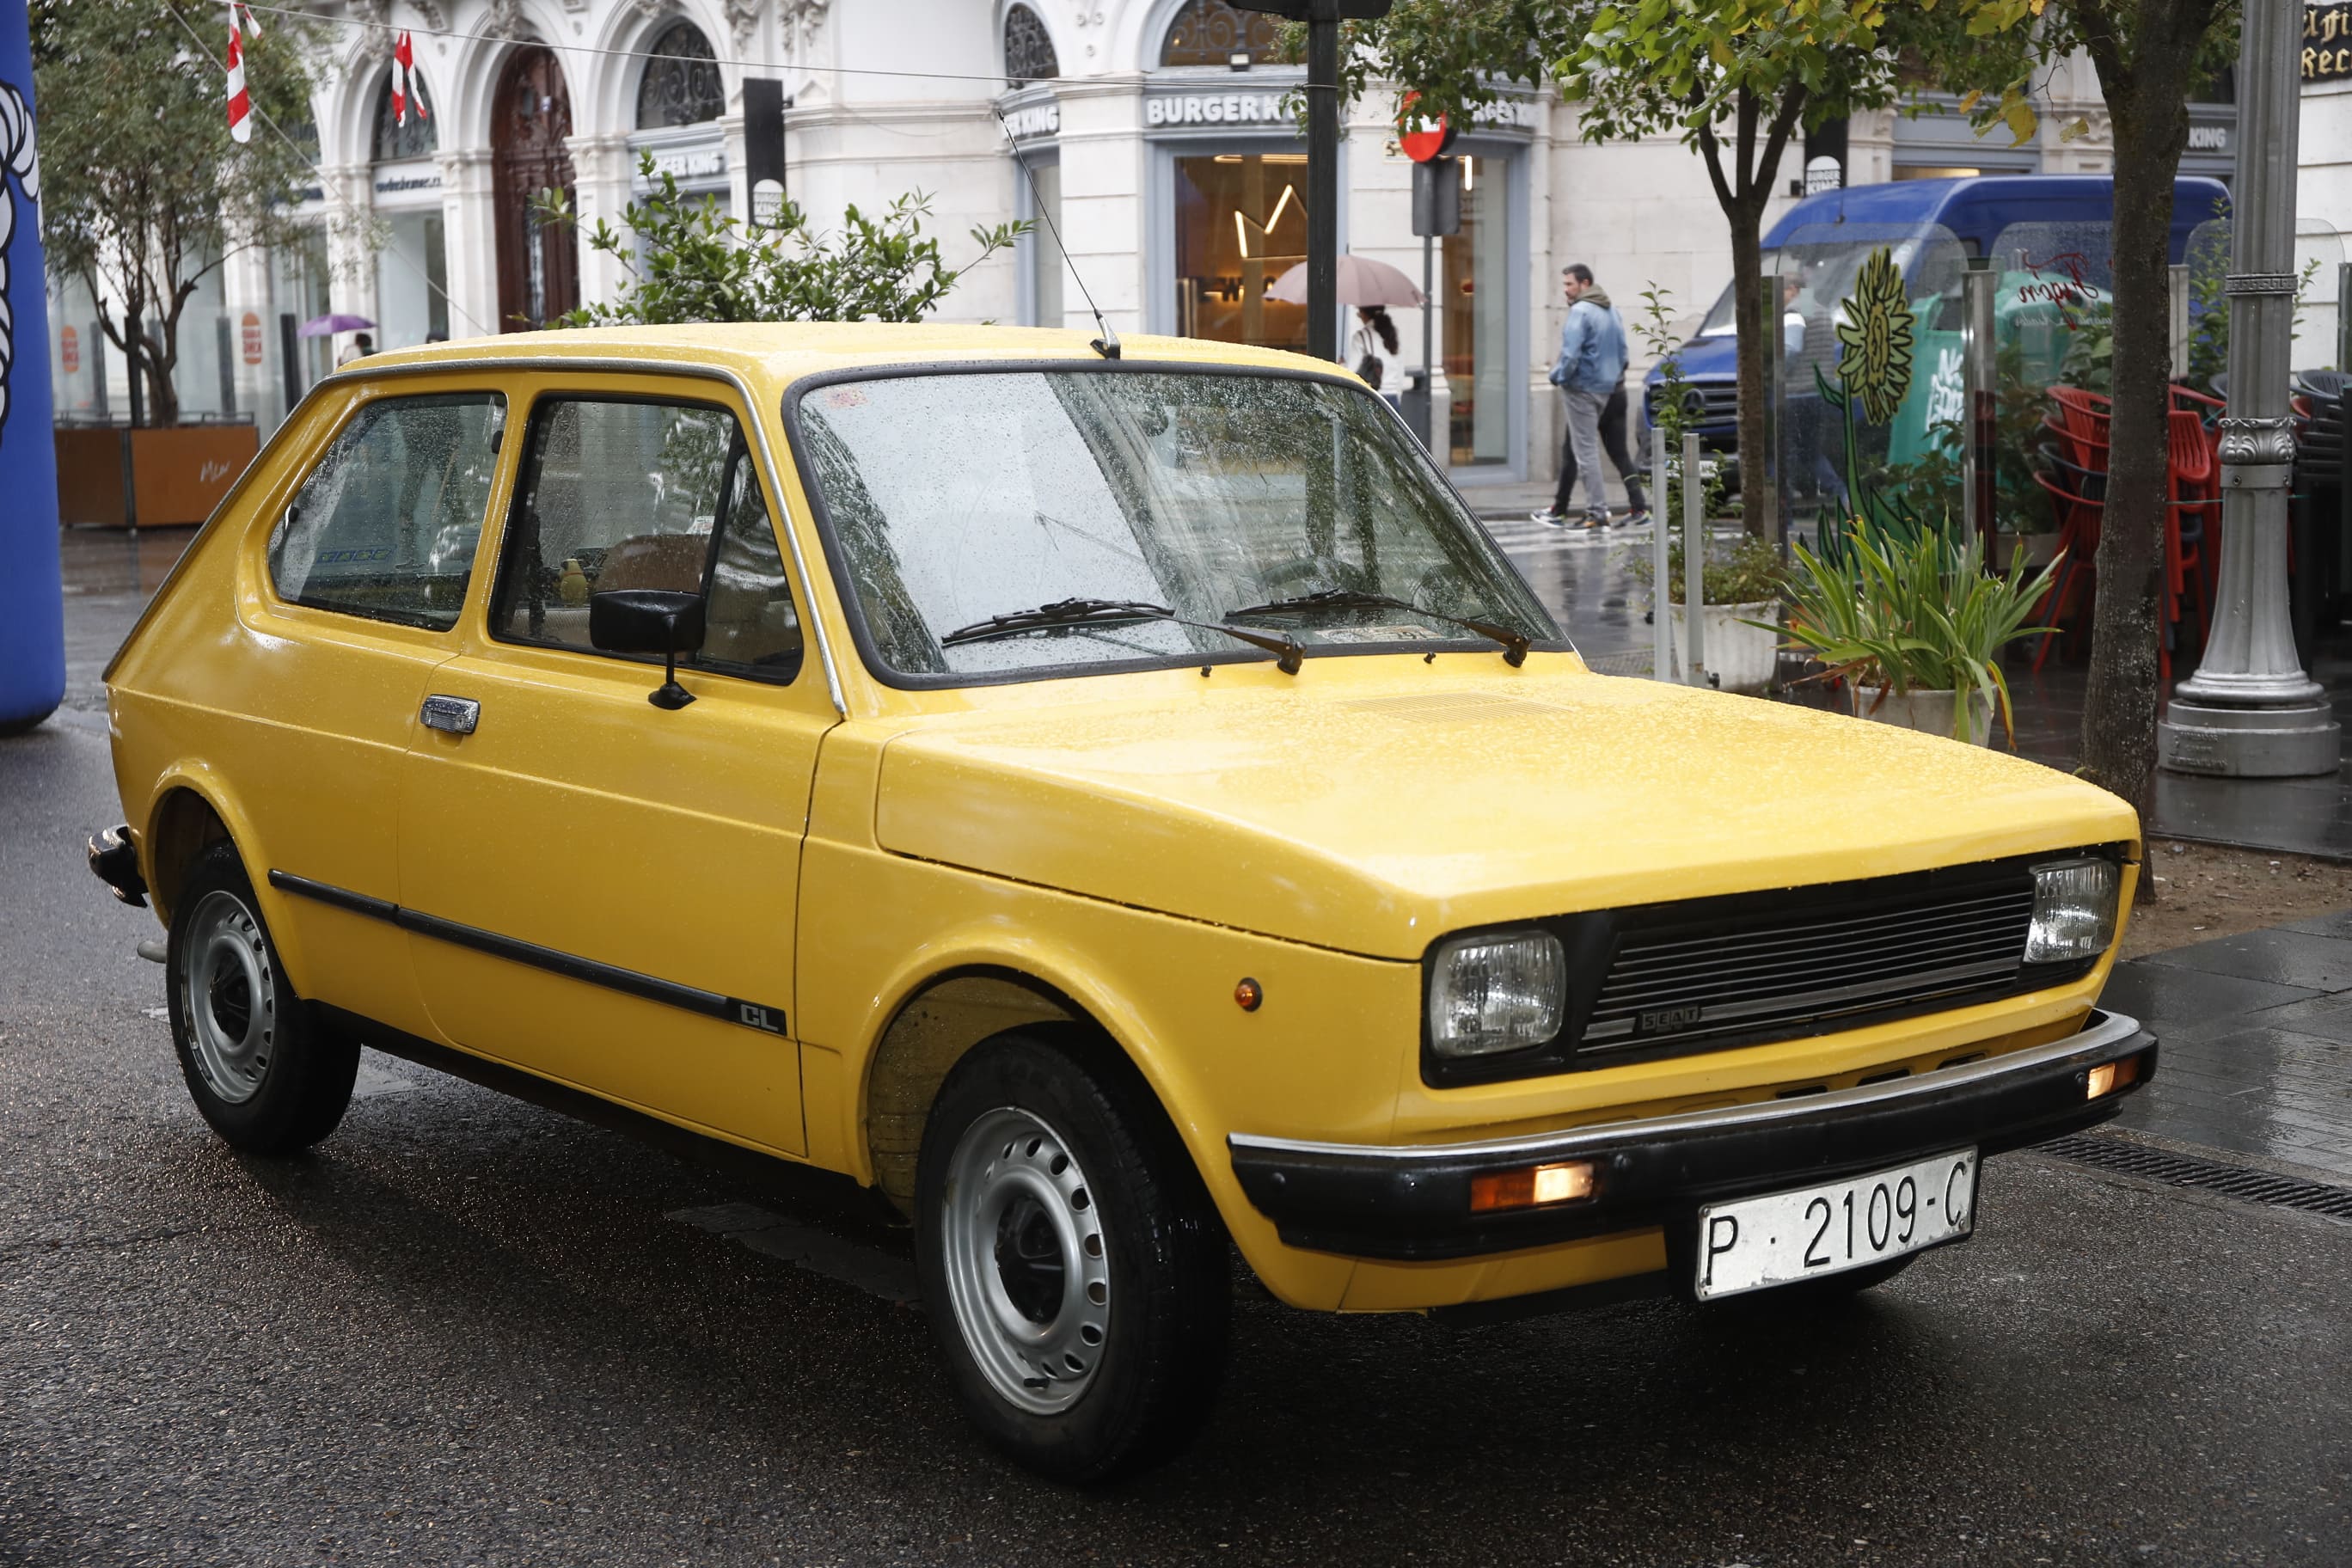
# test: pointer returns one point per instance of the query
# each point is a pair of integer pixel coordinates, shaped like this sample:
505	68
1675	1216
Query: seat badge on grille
1670	1020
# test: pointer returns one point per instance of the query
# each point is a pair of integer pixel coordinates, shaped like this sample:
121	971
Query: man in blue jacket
1590	369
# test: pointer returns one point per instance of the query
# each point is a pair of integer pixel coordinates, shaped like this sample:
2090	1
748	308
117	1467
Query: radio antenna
1105	345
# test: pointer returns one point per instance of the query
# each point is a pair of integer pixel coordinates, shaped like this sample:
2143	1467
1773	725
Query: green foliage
1930	483
701	264
2091	342
1914	613
1745	571
143	191
1669	419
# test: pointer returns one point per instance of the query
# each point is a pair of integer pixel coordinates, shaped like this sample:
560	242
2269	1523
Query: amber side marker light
1532	1187
1249	996
2110	1077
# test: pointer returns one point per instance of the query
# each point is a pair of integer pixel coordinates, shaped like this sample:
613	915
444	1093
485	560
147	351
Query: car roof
780	351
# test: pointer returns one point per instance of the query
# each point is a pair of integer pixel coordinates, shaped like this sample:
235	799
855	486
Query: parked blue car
2026	219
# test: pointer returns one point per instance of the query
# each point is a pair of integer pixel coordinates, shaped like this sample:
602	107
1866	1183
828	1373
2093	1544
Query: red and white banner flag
404	80
240	105
252	22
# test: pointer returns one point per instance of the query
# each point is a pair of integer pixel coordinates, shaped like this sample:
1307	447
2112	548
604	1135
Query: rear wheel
267	1080
1073	1266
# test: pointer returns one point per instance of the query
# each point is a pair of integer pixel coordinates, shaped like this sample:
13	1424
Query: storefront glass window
411	280
1241	224
1477	303
1047	267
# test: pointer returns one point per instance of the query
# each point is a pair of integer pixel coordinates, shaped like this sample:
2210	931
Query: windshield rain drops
953	500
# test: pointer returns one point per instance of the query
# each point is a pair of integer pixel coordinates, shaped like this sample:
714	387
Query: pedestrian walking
361	347
1373	346
1613	441
1590	375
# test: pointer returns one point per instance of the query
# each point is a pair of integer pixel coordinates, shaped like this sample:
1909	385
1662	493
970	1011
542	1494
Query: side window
386	524
628	494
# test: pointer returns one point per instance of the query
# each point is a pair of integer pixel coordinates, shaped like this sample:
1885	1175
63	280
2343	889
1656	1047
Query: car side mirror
649	620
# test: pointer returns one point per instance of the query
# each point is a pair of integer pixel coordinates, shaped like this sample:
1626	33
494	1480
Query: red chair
2082	413
2088	452
2191	399
2192	521
2078	537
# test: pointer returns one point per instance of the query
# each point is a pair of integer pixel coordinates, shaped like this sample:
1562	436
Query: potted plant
1741	583
1914	624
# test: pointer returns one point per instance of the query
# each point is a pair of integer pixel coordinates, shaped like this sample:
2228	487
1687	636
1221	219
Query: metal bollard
1662	632
1694	564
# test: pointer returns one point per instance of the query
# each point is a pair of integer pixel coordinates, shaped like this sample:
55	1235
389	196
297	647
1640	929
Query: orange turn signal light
1532	1186
1248	995
2110	1077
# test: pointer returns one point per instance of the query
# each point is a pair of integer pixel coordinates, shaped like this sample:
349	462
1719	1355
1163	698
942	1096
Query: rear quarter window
387	524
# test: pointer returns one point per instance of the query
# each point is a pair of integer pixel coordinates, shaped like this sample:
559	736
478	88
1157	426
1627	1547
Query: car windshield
951	499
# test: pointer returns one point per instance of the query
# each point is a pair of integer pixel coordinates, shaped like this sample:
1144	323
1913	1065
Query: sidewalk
2255	1034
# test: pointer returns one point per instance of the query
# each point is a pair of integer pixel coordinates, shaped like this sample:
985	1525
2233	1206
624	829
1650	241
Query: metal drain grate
2207	1176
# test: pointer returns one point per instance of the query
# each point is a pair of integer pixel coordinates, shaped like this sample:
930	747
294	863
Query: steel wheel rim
229	997
1028	1272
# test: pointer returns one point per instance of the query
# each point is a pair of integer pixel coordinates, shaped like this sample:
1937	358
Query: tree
143	191
701	264
2151	55
1734	80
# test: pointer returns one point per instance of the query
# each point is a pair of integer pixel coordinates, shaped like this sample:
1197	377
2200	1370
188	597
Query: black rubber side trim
692	999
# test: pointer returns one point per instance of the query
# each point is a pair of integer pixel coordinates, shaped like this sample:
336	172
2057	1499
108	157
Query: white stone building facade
1152	132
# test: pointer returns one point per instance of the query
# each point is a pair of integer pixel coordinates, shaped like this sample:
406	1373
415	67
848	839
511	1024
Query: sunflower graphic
1877	330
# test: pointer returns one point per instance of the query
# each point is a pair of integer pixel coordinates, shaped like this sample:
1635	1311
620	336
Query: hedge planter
1929	713
1740	658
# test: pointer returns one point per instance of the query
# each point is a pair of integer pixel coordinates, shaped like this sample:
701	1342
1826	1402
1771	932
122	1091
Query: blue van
2053	225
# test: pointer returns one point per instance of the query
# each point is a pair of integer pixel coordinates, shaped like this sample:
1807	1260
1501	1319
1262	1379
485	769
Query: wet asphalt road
464	1331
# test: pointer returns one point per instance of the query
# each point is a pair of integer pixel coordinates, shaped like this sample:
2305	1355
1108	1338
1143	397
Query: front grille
1705	974
1696	987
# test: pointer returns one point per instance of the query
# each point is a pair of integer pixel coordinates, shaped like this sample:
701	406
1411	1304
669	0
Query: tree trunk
2147	102
163	397
1747	220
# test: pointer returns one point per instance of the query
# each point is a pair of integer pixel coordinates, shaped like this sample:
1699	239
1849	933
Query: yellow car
1115	804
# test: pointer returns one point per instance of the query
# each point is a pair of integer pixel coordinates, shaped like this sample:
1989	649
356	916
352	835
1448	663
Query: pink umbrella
328	326
1362	282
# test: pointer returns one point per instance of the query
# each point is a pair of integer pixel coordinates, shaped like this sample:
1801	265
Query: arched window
682	85
1028	47
413	140
1210	33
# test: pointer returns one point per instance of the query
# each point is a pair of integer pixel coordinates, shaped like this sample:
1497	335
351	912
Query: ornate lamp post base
2288	742
2249	711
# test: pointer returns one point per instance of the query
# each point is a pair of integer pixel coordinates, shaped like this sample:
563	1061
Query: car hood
1372	816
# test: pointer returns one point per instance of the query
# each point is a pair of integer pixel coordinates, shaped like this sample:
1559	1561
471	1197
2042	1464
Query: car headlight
2074	910
1497	993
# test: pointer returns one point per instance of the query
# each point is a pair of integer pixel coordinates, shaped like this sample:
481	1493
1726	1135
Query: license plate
1755	1243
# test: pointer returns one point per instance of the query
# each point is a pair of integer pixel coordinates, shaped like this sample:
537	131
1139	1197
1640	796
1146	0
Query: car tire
1074	1269
263	1075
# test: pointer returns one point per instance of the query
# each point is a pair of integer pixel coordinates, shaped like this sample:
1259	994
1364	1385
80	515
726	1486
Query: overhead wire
653	55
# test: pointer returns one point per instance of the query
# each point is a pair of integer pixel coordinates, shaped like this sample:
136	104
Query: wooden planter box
175	474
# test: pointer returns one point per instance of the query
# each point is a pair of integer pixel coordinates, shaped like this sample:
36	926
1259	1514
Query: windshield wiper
1514	644
1067	612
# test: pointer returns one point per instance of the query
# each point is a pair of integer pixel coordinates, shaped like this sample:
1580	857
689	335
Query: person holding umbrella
1373	349
1371	287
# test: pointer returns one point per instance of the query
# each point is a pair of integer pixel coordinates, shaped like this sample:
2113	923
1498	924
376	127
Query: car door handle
453	715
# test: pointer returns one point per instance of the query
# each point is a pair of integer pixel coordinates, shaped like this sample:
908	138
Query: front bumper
1411	1202
114	860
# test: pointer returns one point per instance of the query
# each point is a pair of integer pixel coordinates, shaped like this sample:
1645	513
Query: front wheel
1073	1266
